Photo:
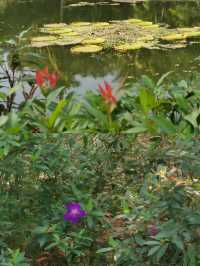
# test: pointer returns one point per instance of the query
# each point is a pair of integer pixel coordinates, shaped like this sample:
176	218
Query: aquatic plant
134	34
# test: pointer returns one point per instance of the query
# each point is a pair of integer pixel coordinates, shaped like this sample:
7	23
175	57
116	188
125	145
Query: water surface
87	71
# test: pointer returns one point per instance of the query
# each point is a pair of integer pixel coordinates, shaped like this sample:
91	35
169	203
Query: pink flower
74	212
153	230
107	93
44	78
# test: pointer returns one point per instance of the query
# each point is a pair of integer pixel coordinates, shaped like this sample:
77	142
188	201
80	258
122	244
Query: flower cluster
74	212
45	79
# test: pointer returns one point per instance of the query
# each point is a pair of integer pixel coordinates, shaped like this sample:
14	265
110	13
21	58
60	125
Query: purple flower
153	230
74	212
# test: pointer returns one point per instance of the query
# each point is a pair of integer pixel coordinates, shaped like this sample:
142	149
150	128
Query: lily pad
55	25
145	23
57	31
61	31
133	20
43	41
41	44
68	41
173	45
153	26
173	37
80	24
140	22
101	24
70	34
146	38
188	29
81	4
192	34
128	47
86	49
48	38
94	41
116	21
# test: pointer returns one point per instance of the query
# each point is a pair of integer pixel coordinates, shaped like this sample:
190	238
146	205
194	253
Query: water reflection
87	71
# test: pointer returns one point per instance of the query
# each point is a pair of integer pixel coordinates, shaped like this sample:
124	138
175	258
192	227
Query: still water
87	71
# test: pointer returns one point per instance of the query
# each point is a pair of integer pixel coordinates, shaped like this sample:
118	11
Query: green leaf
89	205
52	245
153	250
182	102
42	240
161	252
55	114
162	78
164	124
178	242
3	120
183	84
136	130
192	118
100	116
103	250
190	257
53	95
3	96
151	242
148	82
113	243
12	90
139	240
147	100
21	35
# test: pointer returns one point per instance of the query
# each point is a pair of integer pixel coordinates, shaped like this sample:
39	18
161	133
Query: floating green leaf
128	47
94	41
86	49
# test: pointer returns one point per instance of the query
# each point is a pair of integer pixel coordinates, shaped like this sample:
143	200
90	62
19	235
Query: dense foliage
124	163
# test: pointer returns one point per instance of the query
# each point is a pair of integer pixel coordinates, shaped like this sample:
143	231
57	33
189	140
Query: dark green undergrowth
127	185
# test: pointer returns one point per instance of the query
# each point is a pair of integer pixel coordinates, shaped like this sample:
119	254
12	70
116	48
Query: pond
87	71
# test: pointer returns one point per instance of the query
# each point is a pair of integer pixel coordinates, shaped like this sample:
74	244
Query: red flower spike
39	77
46	71
107	93
108	89
44	78
52	79
103	93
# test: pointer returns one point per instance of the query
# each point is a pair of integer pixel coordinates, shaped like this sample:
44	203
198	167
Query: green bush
125	185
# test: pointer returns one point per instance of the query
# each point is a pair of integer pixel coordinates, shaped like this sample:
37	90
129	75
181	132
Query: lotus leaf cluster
120	35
